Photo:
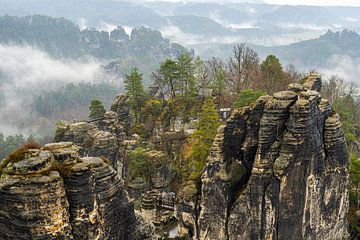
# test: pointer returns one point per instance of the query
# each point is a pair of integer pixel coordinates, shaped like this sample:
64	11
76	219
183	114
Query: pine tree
272	75
135	90
203	137
167	78
247	97
186	70
97	109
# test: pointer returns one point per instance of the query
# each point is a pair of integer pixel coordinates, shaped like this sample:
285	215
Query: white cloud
25	71
343	66
107	27
82	23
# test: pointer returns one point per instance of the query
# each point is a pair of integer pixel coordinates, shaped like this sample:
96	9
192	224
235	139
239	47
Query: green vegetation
57	104
202	139
96	109
354	217
135	90
61	38
247	97
272	74
10	143
19	153
344	97
139	164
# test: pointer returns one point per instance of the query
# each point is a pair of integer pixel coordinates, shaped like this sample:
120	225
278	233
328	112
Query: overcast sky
290	2
317	2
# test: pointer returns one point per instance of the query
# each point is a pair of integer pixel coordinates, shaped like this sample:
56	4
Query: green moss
189	190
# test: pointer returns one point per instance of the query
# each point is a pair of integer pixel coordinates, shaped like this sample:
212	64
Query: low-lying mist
26	72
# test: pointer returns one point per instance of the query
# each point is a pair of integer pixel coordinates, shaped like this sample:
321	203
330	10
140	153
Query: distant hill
314	53
60	38
317	52
256	21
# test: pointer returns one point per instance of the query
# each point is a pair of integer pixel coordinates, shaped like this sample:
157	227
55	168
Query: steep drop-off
52	193
278	170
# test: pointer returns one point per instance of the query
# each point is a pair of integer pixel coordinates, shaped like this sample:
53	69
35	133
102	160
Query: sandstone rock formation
110	138
52	193
278	170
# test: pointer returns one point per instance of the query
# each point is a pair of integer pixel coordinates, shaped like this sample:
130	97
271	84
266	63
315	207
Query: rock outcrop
52	193
278	170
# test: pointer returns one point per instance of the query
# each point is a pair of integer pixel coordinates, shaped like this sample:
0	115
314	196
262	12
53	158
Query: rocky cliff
52	193
277	170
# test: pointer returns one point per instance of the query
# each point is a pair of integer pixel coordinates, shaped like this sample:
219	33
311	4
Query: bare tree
243	68
334	88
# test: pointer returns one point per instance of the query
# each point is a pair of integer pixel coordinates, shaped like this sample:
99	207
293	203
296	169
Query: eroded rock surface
278	170
52	193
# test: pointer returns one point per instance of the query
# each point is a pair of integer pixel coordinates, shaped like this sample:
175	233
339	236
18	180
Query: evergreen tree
273	77
247	97
186	71
97	109
203	137
135	90
138	165
167	78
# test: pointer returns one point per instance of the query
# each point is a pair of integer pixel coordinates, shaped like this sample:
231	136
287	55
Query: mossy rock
189	190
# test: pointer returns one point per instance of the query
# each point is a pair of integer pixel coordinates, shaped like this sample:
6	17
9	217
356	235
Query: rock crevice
52	193
278	170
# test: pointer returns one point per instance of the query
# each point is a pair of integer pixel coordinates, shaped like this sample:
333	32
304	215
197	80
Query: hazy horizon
350	3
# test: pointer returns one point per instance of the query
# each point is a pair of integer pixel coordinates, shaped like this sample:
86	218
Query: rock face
278	170
52	193
101	137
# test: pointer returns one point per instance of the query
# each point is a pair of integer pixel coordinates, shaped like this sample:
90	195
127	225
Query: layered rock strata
278	170
52	193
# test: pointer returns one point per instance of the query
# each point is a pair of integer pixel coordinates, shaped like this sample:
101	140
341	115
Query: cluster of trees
186	77
144	47
198	146
10	143
190	88
345	100
69	41
57	104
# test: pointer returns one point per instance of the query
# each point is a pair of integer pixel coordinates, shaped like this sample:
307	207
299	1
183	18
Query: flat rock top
296	87
285	95
55	146
88	162
309	94
31	164
11	180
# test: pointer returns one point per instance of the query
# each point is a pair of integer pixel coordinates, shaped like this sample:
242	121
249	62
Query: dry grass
19	153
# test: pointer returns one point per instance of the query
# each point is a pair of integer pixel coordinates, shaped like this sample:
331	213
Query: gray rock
291	174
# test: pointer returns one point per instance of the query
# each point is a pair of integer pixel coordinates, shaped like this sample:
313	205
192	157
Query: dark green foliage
203	137
9	144
151	114
53	104
272	74
247	97
135	90
96	109
167	78
61	38
176	80
354	217
138	164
